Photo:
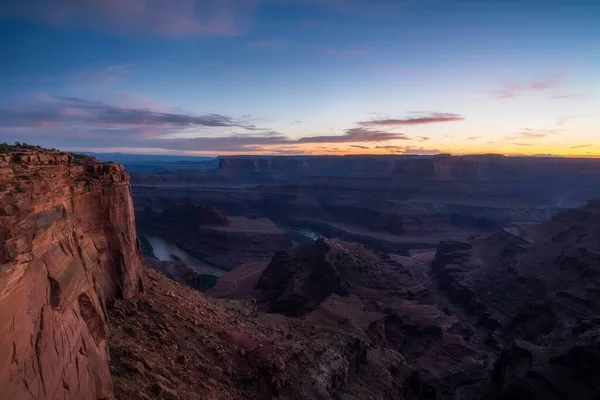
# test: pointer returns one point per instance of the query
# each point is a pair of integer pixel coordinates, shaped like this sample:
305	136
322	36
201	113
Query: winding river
164	251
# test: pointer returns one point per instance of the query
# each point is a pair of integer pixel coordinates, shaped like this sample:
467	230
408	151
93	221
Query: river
164	251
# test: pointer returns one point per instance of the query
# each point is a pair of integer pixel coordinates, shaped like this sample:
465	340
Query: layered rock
535	290
344	288
68	244
171	342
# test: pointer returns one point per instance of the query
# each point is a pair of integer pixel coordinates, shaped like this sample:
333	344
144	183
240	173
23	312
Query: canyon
393	204
435	277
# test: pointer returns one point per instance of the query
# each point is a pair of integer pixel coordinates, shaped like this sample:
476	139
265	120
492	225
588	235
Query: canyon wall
67	245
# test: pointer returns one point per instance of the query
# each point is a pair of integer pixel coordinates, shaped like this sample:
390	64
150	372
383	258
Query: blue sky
302	76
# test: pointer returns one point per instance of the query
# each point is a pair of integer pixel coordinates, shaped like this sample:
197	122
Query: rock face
295	283
306	165
68	244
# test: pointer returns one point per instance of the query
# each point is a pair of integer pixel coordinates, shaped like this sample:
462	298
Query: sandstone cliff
67	245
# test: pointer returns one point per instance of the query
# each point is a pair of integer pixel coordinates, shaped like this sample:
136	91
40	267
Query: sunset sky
302	76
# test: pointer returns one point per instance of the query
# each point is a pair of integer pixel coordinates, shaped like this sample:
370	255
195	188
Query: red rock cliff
67	244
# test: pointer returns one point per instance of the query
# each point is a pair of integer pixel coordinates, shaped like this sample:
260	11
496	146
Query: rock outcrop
68	244
171	342
535	291
345	288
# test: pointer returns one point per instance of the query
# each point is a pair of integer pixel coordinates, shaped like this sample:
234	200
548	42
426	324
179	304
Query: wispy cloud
518	89
569	96
522	144
282	45
580	146
346	52
431	118
96	119
364	7
473	138
100	78
162	17
529	134
72	121
355	135
423	138
408	150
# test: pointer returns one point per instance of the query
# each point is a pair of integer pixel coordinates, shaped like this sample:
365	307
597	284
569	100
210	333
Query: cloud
513	90
522	144
359	147
529	134
155	17
62	121
431	118
409	150
270	44
346	52
424	138
362	7
569	96
73	110
518	90
473	138
580	146
355	135
564	119
100	77
280	45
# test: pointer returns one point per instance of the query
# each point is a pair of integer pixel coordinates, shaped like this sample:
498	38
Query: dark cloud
74	111
360	147
580	146
156	17
432	118
62	121
355	135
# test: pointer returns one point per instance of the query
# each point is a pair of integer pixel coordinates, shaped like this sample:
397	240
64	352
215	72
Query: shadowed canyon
355	277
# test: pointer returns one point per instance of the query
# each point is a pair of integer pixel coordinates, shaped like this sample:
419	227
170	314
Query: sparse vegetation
5	147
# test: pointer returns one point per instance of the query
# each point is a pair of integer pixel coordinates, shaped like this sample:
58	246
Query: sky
217	77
